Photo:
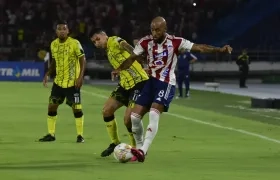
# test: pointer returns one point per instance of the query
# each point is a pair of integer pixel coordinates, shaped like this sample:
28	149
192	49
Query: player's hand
114	74
226	49
45	81
79	82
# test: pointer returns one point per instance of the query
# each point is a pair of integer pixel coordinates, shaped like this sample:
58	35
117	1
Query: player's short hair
63	22
96	31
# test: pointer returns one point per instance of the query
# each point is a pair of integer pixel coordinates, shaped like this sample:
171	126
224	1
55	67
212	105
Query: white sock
137	129
151	129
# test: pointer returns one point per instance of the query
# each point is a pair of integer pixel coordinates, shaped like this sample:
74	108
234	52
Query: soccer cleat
134	158
109	150
47	138
140	155
80	139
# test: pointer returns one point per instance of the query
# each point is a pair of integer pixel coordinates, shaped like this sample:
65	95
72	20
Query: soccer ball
122	153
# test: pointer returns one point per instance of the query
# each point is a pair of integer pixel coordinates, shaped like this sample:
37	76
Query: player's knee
52	108
78	114
52	113
108	114
108	118
107	111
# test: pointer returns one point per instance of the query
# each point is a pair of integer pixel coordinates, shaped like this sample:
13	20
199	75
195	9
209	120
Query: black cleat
47	138
80	139
109	150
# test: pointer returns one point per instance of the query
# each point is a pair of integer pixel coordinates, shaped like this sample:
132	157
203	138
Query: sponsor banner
21	71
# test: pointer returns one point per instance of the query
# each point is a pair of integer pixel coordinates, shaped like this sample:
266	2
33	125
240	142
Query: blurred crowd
29	25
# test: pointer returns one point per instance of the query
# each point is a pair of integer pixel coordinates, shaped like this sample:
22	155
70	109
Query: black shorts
129	96
72	95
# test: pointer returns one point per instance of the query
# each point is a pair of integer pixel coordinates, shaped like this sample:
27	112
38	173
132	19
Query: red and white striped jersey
162	58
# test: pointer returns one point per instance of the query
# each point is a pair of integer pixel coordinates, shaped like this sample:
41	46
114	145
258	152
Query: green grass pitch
211	136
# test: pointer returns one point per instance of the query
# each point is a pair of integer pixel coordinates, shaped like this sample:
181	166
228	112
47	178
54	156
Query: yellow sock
112	129
51	124
131	139
80	125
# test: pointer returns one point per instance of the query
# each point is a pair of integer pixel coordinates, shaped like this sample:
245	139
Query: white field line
255	111
203	122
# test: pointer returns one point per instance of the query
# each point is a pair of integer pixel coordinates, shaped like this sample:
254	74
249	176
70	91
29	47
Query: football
122	153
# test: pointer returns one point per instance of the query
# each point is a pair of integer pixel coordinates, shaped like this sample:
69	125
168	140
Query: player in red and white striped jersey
162	50
162	57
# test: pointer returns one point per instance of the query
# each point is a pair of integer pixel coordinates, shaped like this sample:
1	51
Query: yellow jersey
66	56
116	55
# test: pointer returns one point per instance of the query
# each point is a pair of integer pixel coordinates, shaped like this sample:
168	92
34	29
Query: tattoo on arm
124	45
203	48
128	62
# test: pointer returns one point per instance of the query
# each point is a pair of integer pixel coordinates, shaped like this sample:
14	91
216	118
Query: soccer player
68	65
132	81
162	50
183	67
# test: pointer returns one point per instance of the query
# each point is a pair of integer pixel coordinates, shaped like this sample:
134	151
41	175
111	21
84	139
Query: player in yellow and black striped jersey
131	83
68	65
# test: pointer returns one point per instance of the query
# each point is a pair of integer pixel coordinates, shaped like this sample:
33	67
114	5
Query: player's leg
56	98
141	107
133	96
163	97
136	116
115	101
128	125
73	99
180	80
187	84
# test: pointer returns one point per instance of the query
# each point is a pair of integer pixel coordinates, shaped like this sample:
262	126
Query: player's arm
128	62
51	70
82	60
127	47
136	54
202	48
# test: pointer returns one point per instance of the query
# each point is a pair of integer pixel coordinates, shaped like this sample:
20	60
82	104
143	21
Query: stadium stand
28	27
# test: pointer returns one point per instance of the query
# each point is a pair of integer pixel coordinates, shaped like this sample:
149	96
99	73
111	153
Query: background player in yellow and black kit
131	83
68	64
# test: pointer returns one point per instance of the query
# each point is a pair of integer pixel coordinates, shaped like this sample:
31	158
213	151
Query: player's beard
62	38
160	39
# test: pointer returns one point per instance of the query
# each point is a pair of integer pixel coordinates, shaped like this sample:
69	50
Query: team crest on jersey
165	72
162	54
